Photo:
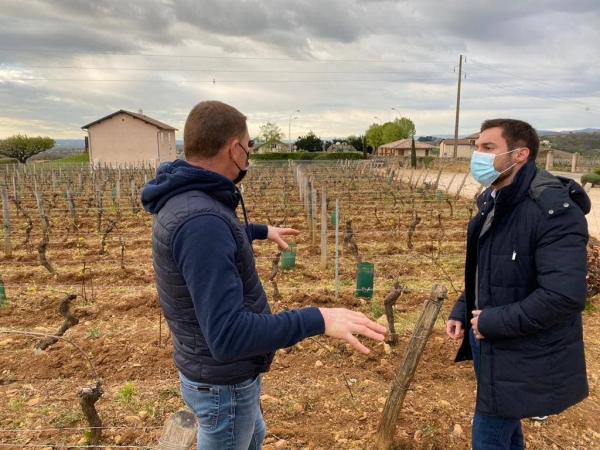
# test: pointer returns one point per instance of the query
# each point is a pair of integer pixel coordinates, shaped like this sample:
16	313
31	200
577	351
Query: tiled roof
406	144
458	141
149	120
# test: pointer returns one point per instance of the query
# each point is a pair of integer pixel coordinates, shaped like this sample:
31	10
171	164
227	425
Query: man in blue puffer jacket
525	288
224	335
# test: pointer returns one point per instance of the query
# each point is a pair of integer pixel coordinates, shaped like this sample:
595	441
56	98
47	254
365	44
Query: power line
531	79
162	69
215	81
582	105
259	58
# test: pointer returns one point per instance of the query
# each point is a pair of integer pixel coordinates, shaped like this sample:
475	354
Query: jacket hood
553	192
177	177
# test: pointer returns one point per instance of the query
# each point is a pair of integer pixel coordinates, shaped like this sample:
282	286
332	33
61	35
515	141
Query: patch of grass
589	306
376	309
87	435
127	392
16	404
76	158
67	419
93	333
168	393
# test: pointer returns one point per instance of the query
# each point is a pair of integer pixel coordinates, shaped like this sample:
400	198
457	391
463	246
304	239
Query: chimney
140	111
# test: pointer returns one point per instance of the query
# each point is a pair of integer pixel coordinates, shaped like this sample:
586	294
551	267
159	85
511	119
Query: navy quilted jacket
209	290
529	269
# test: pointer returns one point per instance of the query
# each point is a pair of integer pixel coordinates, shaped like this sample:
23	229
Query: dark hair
209	126
517	134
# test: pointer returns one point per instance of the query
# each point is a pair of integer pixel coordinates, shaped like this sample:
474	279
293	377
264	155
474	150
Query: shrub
307	156
428	161
593	178
336	155
597	170
279	156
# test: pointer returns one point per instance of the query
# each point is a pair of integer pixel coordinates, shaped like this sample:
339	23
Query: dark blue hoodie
208	286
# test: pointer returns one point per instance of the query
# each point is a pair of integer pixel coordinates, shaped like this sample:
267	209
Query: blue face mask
482	167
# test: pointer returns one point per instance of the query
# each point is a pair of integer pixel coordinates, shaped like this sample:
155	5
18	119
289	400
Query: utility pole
454	153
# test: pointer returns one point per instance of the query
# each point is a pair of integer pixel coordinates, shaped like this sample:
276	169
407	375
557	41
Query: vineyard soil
319	394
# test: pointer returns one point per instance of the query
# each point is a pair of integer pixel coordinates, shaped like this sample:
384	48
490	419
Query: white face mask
482	167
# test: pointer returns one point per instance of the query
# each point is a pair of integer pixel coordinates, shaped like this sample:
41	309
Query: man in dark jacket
224	335
525	288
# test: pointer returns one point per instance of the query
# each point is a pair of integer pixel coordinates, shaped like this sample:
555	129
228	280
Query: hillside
584	143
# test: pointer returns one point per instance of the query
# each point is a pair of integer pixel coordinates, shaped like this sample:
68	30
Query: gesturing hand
275	234
343	324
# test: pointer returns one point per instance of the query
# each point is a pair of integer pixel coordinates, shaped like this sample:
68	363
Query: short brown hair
209	126
517	134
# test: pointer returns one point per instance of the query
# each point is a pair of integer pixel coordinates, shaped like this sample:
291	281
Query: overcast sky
65	63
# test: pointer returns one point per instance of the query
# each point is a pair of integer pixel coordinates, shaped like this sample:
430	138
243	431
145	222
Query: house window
169	138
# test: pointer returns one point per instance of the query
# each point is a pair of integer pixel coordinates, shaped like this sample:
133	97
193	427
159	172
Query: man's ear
522	154
230	147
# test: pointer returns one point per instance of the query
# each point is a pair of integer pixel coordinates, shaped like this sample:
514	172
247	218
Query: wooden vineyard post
178	432
133	197
45	232
6	221
384	438
71	204
419	176
462	184
313	213
437	180
323	227
412	172
451	181
118	196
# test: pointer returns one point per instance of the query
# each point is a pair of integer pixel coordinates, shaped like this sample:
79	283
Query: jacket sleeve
204	250
256	231
459	310
561	269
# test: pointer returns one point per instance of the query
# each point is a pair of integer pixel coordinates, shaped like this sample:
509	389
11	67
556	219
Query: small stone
118	439
417	436
269	399
382	321
132	419
281	444
318	364
444	403
387	349
33	401
457	431
143	414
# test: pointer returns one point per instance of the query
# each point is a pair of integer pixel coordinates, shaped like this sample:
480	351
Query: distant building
403	147
128	138
275	146
341	147
464	147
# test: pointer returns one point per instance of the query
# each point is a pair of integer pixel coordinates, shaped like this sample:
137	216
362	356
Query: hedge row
302	155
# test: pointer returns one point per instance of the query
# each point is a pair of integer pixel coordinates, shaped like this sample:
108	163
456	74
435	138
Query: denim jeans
229	416
493	432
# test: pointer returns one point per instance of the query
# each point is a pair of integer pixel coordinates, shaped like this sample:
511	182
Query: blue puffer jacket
209	290
529	269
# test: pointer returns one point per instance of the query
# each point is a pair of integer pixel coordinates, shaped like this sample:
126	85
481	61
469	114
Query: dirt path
450	182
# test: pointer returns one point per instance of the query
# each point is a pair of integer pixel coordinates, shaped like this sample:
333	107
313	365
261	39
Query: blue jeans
229	416
493	432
